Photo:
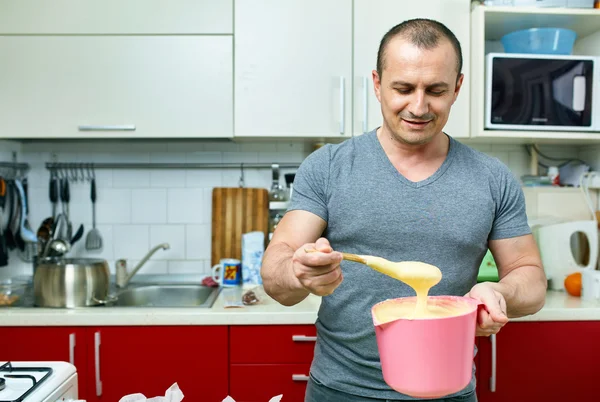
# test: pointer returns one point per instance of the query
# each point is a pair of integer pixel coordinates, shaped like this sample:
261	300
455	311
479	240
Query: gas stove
38	382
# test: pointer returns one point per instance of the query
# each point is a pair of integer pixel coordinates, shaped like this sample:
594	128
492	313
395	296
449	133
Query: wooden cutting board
236	211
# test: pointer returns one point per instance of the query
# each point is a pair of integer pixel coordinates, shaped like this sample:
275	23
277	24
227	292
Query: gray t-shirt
370	208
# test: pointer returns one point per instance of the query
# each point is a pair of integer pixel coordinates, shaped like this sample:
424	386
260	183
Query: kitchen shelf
489	24
556	135
502	20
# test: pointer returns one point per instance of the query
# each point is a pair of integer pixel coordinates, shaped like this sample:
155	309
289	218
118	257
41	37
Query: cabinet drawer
272	343
260	382
116	17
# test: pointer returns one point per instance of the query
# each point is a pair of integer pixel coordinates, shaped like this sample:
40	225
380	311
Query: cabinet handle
124	127
97	363
303	338
72	349
365	104
342	105
493	377
300	377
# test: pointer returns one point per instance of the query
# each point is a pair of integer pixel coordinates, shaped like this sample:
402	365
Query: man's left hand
493	317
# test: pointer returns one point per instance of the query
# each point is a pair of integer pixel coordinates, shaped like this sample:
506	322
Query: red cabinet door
148	360
269	360
541	362
261	382
46	344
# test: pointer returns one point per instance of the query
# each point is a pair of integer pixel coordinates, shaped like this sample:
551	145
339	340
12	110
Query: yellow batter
421	277
392	310
418	275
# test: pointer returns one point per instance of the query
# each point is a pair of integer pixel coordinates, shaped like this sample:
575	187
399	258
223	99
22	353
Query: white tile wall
137	210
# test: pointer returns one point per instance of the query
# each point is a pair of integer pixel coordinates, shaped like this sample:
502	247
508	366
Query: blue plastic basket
540	41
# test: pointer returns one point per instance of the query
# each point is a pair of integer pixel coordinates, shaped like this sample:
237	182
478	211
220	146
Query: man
405	192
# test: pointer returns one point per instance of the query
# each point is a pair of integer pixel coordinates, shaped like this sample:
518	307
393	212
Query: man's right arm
289	273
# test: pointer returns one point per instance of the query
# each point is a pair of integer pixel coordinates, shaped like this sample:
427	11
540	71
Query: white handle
578	103
97	363
342	105
493	377
123	127
303	338
214	270
299	377
591	233
365	104
72	349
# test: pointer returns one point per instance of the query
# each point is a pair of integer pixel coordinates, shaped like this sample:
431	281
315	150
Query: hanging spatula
93	240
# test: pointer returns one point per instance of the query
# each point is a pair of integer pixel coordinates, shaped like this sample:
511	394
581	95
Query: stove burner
14	374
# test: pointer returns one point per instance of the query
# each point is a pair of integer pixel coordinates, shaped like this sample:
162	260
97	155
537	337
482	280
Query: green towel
488	272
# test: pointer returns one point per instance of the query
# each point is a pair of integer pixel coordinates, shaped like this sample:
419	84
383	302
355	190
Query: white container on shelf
580	3
540	3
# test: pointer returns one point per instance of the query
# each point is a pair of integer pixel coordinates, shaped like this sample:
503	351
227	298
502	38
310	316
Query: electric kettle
561	248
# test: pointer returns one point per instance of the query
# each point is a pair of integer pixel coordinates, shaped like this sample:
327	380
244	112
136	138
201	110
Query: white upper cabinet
372	19
116	69
116	17
116	86
293	68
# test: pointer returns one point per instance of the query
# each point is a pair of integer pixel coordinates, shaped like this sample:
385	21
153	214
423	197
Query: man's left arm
521	289
522	282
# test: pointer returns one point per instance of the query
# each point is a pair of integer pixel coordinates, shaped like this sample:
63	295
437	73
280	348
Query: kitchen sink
167	296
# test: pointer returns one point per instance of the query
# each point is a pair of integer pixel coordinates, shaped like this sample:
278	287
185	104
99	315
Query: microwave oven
542	92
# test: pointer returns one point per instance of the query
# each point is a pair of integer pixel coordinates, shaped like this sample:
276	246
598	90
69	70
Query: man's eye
403	91
437	93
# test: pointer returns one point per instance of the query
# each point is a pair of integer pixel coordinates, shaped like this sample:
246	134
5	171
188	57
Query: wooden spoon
414	273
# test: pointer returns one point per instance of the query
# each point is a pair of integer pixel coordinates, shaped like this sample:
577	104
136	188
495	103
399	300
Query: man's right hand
319	271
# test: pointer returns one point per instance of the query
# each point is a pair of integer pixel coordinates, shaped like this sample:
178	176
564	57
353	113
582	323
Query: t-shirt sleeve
311	184
510	215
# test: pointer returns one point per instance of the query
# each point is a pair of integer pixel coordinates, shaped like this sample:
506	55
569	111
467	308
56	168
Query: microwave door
550	93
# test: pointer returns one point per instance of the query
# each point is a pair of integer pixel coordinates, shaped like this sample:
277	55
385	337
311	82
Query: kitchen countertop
559	307
267	312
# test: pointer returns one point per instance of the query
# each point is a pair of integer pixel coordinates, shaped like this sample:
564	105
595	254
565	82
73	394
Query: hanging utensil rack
13	170
158	165
79	171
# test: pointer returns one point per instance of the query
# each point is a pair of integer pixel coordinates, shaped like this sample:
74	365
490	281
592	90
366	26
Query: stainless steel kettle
71	282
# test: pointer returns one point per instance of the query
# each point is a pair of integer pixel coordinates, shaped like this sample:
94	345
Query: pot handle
110	299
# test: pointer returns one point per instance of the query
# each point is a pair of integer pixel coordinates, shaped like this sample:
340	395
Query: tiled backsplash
138	209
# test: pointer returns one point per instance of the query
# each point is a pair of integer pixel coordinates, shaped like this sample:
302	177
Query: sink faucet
123	277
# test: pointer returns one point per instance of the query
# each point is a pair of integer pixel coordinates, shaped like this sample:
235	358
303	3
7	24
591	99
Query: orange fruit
573	284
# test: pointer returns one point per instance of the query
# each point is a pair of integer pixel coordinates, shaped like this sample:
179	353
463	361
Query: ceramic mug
228	272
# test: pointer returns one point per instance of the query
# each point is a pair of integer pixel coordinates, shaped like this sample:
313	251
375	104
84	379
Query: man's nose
418	104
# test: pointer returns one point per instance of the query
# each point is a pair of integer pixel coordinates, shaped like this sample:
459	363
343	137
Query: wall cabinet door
372	19
117	17
293	65
47	344
116	86
540	362
148	360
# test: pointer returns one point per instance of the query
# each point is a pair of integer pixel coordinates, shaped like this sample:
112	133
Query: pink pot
428	358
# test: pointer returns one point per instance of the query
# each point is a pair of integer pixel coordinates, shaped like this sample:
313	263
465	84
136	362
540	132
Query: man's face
417	89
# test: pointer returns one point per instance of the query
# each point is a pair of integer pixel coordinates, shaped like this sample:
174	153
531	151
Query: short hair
423	33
